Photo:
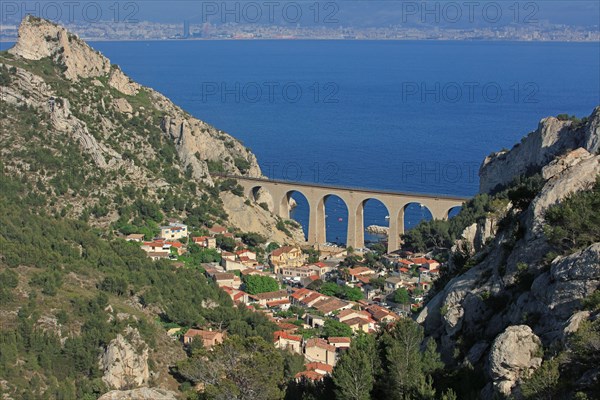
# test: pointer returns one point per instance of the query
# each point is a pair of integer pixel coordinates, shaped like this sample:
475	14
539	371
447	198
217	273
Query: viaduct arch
355	199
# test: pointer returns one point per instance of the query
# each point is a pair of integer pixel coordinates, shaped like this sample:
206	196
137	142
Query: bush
573	224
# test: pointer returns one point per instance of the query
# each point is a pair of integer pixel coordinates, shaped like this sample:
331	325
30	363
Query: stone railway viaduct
355	199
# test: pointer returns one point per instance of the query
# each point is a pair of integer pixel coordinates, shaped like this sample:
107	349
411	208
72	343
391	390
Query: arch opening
261	196
375	221
298	209
414	213
453	212
335	218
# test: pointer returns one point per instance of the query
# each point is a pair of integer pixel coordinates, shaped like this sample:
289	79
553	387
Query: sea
417	116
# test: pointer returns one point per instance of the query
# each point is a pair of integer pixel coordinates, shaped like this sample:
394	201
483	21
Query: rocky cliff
133	135
515	298
125	361
552	138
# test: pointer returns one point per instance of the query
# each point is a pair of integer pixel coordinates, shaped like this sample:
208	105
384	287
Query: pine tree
353	375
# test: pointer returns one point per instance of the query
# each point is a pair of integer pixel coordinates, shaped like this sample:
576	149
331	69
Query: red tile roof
282	250
271	295
321	343
312	375
284	335
275	303
356	321
319	365
338	339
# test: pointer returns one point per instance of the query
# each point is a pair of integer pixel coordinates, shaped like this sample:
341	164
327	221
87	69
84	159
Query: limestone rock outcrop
513	292
377	230
143	393
40	39
125	361
124	130
576	171
515	354
569	280
253	218
551	139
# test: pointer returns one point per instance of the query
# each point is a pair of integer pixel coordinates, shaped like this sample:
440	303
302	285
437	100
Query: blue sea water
407	116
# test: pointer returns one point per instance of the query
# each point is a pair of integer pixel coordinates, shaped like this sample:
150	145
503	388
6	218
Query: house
285	341
286	256
312	299
404	263
283	304
351	313
331	304
320	268
246	253
300	272
393	283
314	321
217	230
306	298
318	350
227	279
308	280
174	231
263	298
135	237
209	338
157	255
354	273
339	342
157	246
321	368
381	314
358	324
207	242
308	375
287	327
239	260
236	295
176	247
426	263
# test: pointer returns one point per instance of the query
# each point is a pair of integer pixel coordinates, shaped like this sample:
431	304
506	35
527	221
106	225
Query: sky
339	13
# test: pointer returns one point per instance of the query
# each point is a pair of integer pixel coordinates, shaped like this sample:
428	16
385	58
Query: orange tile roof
318	342
312	375
359	270
319	365
356	321
301	293
281	250
420	260
339	339
277	302
284	335
271	295
204	334
329	305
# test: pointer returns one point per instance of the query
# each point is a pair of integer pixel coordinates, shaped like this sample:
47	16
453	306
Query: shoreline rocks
377	230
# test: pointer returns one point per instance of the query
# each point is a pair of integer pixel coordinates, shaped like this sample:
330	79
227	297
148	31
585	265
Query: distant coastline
108	31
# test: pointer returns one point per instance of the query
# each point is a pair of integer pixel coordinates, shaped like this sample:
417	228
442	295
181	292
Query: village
319	299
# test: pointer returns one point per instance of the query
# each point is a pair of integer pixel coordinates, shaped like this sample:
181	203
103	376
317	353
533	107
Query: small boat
387	217
340	219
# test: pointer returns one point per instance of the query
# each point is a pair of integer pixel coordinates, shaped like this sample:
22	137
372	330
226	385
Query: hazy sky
342	13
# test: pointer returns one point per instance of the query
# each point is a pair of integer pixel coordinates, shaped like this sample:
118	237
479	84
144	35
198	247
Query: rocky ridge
96	105
483	310
552	138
